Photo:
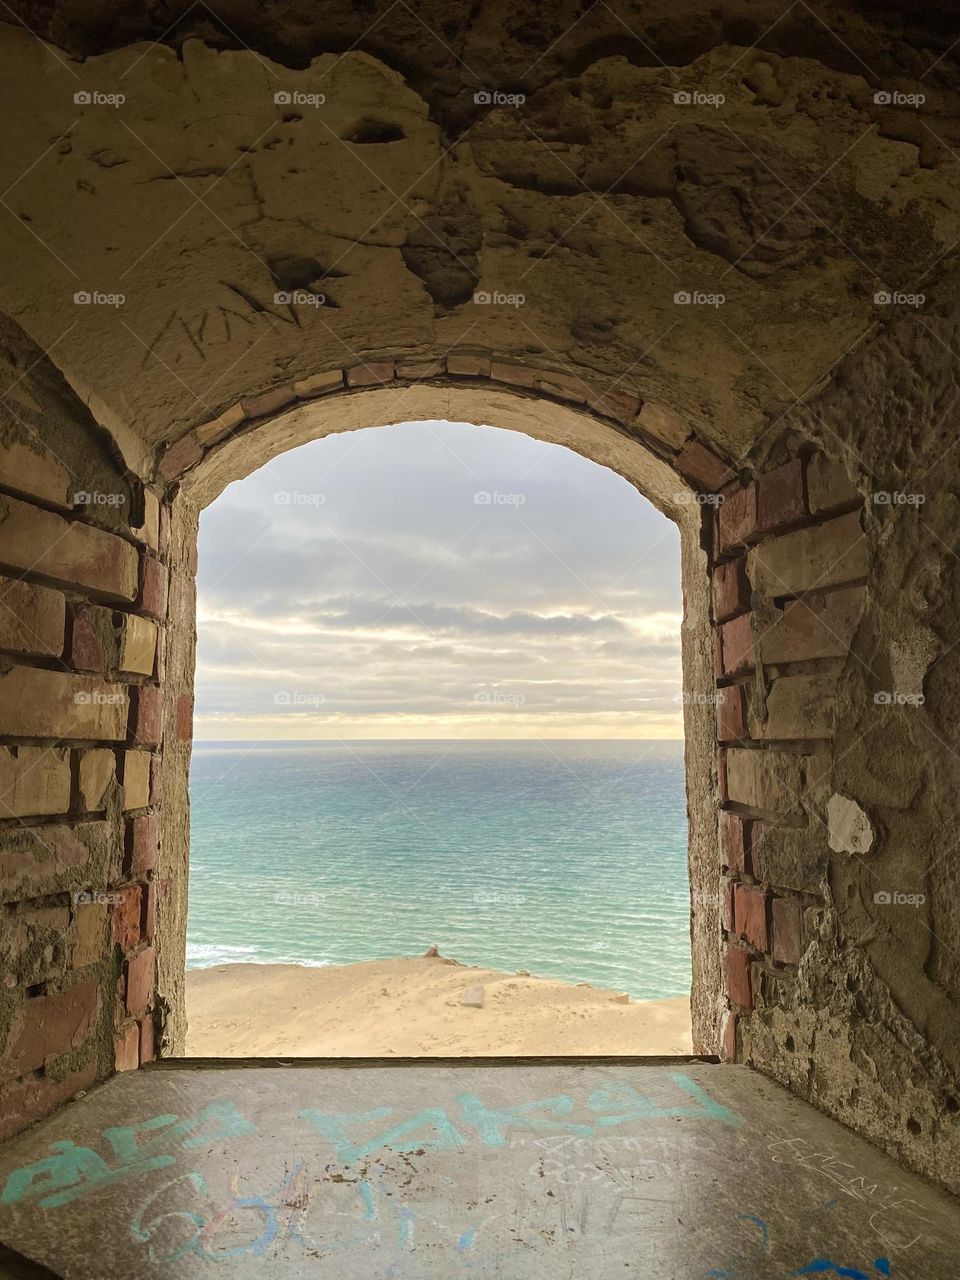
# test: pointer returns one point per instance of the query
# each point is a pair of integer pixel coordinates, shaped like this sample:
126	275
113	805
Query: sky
436	580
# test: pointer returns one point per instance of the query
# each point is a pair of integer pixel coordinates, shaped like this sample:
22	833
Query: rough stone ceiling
202	196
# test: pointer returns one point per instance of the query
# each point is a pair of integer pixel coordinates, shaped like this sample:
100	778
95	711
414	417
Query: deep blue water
564	858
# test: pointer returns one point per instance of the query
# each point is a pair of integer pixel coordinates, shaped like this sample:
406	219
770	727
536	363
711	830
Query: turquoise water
564	858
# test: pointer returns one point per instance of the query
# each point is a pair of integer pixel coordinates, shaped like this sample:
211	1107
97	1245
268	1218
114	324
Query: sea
567	859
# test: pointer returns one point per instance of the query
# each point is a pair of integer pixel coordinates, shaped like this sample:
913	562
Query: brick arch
98	741
758	648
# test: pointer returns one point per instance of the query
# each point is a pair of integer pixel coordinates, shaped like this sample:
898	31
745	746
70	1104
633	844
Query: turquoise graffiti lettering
347	1151
493	1123
626	1104
70	1172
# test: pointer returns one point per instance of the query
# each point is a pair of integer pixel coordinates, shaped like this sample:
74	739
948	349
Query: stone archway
753	749
815	386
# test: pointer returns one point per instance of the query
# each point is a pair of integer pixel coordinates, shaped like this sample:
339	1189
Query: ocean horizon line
385	741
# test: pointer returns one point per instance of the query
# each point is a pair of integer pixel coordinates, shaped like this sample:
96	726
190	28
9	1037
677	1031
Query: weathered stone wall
82	598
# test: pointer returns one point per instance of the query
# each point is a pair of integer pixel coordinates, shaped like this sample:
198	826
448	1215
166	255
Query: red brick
49	1026
731	590
146	716
184	718
148	1048
736	966
702	467
125	917
787	938
738	519
732	714
153	587
150	912
780	497
726	905
623	406
140	980
93	640
268	401
179	457
733	841
737	641
722	775
142	842
750	915
126	1049
728	1036
28	1100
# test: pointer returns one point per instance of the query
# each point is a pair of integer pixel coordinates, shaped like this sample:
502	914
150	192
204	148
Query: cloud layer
437	580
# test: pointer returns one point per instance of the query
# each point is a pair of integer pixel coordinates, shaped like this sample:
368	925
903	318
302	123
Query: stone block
32	618
136	779
73	554
825	555
36	703
97	771
34	781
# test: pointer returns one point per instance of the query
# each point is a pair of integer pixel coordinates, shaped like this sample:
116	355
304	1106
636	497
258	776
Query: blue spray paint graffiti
824	1267
71	1171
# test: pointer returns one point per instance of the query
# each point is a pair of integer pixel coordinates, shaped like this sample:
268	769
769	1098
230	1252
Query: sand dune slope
413	1007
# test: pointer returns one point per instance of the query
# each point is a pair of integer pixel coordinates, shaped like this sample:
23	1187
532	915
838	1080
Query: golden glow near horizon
368	587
